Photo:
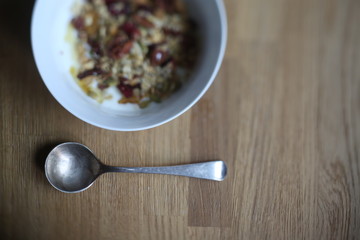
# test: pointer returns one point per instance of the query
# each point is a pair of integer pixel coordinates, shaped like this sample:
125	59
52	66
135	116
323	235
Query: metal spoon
72	167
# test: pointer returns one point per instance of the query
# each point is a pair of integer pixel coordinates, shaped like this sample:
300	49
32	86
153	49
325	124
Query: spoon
72	167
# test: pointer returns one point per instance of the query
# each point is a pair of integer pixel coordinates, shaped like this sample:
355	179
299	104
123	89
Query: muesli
145	49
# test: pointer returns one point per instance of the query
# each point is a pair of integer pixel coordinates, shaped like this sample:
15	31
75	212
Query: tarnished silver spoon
72	167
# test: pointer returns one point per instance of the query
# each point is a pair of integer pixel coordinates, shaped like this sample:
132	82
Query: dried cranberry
131	30
95	47
117	7
78	23
91	72
158	57
125	89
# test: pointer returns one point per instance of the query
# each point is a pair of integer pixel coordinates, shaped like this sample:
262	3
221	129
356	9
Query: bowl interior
54	57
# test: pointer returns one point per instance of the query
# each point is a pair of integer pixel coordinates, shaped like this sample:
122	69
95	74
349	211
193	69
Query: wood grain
283	113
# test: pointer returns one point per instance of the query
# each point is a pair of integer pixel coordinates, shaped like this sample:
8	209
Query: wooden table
283	113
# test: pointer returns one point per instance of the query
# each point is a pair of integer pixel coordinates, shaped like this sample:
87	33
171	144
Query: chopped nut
91	22
89	64
143	21
113	29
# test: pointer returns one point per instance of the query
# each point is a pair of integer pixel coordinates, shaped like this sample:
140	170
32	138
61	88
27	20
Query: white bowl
53	57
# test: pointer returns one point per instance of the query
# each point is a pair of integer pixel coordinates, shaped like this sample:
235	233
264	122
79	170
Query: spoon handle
212	170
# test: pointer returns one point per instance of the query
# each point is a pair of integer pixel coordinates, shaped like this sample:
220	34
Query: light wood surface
284	113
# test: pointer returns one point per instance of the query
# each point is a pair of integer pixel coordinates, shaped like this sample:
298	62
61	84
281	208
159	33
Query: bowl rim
223	42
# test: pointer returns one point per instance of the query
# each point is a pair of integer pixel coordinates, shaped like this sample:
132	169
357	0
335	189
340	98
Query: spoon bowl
72	167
